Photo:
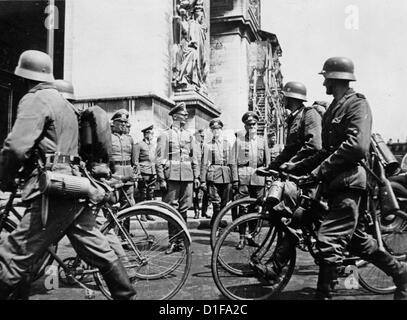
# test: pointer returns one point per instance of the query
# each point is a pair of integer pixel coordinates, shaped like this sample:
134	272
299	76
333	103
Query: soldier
177	167
52	144
215	169
346	132
145	164
249	152
200	195
303	140
123	157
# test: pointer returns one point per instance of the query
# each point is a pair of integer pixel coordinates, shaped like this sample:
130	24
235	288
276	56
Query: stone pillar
234	26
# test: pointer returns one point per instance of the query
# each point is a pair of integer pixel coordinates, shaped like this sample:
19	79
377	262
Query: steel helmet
295	90
65	88
338	68
35	65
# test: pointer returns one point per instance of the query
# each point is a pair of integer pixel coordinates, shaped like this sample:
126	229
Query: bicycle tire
161	204
161	276
216	223
249	285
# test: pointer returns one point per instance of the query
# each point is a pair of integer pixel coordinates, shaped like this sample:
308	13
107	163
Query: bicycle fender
160	204
143	208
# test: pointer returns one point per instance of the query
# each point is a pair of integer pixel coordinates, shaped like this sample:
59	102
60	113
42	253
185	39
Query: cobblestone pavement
200	285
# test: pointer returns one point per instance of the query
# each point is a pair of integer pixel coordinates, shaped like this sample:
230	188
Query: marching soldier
249	152
177	167
123	157
53	139
215	169
145	165
346	132
303	140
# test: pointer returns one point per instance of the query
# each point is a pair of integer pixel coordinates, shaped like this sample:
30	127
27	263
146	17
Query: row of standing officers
181	165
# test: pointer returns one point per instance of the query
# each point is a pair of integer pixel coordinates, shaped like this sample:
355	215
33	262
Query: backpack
95	141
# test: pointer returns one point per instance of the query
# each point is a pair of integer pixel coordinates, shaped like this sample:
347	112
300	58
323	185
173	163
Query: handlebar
301	181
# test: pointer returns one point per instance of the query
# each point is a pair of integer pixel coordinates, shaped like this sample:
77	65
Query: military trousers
248	191
219	196
20	249
343	228
179	196
147	186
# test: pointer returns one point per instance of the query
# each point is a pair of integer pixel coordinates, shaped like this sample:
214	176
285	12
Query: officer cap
149	128
249	117
215	124
179	108
122	115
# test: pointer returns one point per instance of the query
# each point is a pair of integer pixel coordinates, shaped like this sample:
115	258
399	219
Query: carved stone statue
189	65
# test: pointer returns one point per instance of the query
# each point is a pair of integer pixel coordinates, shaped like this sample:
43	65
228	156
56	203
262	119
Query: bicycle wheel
227	215
373	279
154	274
247	284
161	205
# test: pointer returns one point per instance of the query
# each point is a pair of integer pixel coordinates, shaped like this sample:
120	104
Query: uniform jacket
176	156
247	155
216	162
303	136
346	131
144	157
46	123
123	151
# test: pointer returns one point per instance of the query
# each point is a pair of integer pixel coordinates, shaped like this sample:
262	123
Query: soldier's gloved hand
204	187
288	166
196	183
235	186
163	186
316	174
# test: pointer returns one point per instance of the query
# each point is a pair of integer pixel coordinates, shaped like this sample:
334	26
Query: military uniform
248	153
123	158
145	164
200	196
303	136
216	172
53	127
346	135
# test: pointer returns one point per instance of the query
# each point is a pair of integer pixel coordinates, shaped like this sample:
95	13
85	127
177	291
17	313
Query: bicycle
154	274
240	281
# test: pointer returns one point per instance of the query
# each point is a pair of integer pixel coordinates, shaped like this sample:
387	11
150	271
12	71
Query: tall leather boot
394	268
23	289
6	291
326	277
118	282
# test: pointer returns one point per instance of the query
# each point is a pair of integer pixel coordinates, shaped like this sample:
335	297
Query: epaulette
359	95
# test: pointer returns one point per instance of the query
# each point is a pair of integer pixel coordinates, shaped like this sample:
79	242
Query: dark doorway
24	26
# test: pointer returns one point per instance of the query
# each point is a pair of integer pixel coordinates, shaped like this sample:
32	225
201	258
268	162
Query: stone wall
118	48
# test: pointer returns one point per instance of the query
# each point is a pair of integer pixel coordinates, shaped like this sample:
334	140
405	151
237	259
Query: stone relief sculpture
190	67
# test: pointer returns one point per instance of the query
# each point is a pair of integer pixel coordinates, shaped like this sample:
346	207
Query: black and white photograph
213	151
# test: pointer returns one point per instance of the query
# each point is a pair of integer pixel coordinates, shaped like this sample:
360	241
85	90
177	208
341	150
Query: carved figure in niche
190	65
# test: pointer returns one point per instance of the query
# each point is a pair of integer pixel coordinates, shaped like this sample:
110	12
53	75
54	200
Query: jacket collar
335	105
42	86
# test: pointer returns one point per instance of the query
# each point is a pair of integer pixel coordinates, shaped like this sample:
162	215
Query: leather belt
123	163
61	158
179	162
